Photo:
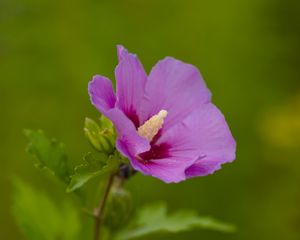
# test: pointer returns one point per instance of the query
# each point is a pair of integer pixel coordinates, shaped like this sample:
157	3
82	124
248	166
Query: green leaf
70	223
154	219
91	168
40	219
49	153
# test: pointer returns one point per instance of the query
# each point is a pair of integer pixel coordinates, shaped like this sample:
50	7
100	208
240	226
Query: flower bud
101	137
119	207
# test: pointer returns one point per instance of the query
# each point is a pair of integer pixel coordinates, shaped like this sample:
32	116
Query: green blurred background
248	52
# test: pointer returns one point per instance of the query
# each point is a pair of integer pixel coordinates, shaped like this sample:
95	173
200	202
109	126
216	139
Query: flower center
151	127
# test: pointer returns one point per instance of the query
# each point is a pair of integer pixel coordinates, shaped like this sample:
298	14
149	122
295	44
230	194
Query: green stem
98	214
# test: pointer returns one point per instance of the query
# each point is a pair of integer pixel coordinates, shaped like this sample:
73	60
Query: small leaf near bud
91	168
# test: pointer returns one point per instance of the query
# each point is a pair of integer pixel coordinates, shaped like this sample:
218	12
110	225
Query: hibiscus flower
166	124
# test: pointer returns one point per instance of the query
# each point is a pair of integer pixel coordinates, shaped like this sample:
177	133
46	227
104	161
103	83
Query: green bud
101	137
119	208
106	123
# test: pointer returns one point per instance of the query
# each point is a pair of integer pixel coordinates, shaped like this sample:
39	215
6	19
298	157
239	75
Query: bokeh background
248	52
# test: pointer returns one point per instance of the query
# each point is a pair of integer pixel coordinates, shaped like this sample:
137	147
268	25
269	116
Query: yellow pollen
151	127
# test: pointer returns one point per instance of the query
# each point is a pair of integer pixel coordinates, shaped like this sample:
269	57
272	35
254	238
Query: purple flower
166	124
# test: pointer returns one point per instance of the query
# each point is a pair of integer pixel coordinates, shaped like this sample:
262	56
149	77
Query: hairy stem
98	214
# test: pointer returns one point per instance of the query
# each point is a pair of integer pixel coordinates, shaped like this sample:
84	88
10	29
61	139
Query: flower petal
128	142
197	147
204	136
121	51
103	98
169	170
101	93
173	86
203	167
166	169
131	79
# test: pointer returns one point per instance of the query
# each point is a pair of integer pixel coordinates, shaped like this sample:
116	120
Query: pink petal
101	93
203	135
128	138
131	79
103	98
166	169
203	167
169	170
173	86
